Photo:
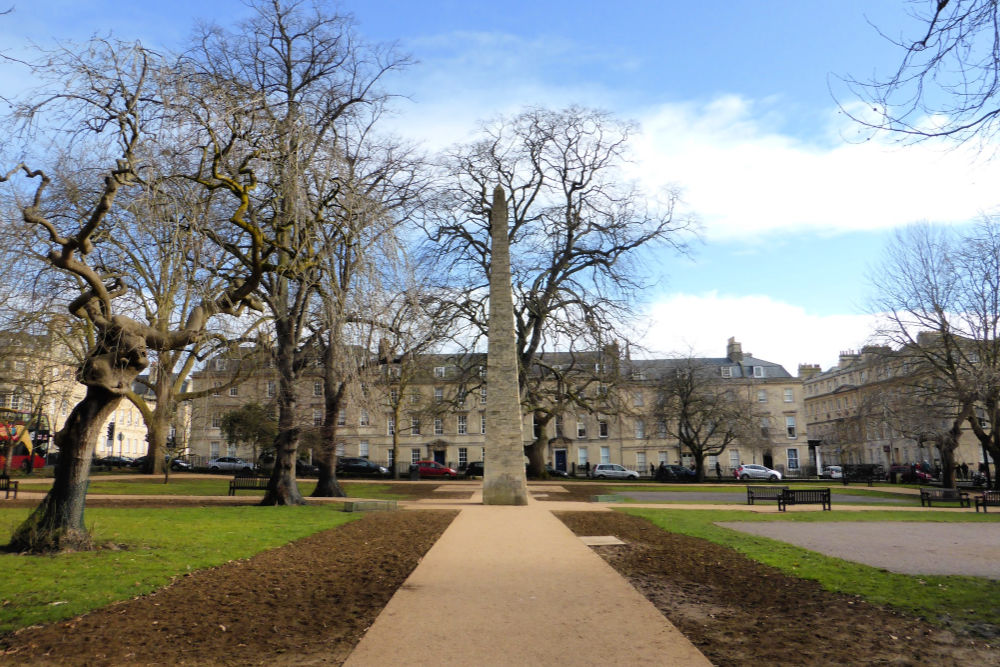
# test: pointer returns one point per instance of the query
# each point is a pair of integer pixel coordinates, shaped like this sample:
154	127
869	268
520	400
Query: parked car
832	472
909	474
675	473
112	462
348	466
474	469
229	464
554	472
753	471
305	469
435	469
612	471
180	464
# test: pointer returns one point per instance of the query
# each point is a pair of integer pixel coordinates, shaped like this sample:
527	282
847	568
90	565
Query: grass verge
945	600
150	547
186	486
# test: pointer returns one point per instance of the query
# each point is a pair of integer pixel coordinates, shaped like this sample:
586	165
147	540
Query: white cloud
743	176
771	330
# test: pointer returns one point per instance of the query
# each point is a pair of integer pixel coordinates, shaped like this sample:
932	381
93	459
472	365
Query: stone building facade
441	399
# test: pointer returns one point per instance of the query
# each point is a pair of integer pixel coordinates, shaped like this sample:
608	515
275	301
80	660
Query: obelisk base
504	489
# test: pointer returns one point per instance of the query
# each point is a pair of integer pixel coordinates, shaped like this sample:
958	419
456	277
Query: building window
482	396
559	426
317	417
762	396
463	457
438	394
790	426
727	371
363	449
581	428
391	426
216	421
414	455
317	388
393	396
415	397
438	426
602	427
391	461
482	371
637	399
661	457
482	424
342	417
213	449
581	457
734	458
220	364
640	461
20	366
793	459
605	455
341	449
661	429
439	371
270	389
463	424
789	396
234	391
364	420
758	371
765	426
640	429
414	425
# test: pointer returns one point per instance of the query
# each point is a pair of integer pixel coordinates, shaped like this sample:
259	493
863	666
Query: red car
435	469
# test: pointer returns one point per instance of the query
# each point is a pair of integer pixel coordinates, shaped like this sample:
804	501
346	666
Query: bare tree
940	294
306	77
111	96
577	230
948	79
704	414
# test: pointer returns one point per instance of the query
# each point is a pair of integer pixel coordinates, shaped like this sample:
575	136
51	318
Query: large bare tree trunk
57	523
327	486
282	489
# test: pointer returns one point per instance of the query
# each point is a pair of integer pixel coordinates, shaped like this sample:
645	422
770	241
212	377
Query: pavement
514	586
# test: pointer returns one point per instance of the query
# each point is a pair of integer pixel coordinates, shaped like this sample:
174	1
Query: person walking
718	471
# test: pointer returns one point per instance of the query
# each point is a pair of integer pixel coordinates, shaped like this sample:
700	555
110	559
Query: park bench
763	493
804	497
928	496
988	499
247	484
7	485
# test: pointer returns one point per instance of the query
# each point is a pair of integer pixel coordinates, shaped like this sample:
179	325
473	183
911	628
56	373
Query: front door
768	460
439	456
561	459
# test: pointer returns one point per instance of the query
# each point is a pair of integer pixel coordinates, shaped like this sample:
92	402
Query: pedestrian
652	470
718	471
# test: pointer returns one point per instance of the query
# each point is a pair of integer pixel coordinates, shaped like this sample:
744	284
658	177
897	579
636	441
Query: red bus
26	435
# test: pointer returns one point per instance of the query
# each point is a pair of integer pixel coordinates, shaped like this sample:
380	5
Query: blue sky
734	101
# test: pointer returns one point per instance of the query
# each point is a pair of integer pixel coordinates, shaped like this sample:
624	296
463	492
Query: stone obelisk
504	481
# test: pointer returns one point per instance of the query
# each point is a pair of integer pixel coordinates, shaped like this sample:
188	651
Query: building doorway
560	462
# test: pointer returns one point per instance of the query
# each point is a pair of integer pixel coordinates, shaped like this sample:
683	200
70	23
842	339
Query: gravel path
898	546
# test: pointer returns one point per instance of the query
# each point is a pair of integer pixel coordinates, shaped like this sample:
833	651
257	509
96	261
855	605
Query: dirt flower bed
309	602
740	612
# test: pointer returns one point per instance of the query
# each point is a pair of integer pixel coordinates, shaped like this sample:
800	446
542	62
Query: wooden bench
248	484
764	493
928	496
7	485
984	500
804	497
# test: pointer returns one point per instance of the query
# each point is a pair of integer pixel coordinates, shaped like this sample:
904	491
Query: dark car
553	472
909	474
180	464
474	469
305	469
113	462
349	466
675	473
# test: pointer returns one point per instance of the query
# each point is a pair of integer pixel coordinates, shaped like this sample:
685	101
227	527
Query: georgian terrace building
440	401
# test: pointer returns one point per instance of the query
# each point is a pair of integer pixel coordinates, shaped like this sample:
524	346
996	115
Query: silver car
229	464
753	471
612	471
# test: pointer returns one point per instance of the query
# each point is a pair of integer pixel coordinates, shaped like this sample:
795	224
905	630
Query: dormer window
727	371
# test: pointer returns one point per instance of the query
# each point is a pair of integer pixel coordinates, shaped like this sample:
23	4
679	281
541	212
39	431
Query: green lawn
942	599
155	545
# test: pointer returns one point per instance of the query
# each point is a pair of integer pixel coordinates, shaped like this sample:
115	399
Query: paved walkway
514	586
